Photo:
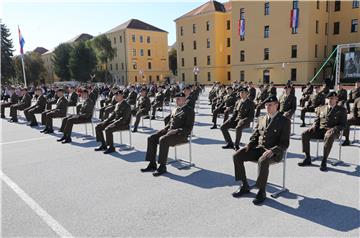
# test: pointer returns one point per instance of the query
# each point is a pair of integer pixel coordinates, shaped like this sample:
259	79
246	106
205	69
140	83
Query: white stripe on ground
26	140
49	220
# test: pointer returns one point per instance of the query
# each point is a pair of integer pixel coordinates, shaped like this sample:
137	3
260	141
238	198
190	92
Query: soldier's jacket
25	100
93	95
61	106
220	97
342	95
262	95
73	99
252	93
275	136
230	100
244	111
181	120
144	104
121	114
287	104
40	102
53	99
308	90
159	97
325	91
131	99
86	109
109	98
356	108
167	95
271	91
354	94
191	101
317	100
326	119
14	98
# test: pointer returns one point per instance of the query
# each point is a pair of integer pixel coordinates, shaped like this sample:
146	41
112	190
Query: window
120	39
150	78
149	65
266	54
183	77
326	28
135	78
134	52
141	39
266	31
325	51
148	40
295	4
181	31
294	51
182	46
209	76
208	60
355	4
293	74
354	25
195	61
242	56
149	52
133	38
134	66
317	27
337	5
315	71
242	75
110	66
267	9
207	43
207	26
195	77
194	28
182	62
194	43
228	25
228	44
122	66
116	66
229	59
327	5
229	76
336	28
114	40
316	51
317	4
141	52
157	78
266	76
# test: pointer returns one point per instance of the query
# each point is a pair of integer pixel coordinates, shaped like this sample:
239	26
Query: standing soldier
22	105
39	107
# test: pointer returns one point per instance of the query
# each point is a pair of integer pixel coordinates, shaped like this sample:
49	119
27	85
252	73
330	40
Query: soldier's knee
163	140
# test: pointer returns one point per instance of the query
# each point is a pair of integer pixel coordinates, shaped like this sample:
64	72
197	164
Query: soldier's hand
268	154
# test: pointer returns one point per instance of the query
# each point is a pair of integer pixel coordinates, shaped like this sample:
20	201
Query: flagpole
23	67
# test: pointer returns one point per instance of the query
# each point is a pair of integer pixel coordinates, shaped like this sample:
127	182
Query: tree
173	61
7	49
61	61
34	68
82	62
102	47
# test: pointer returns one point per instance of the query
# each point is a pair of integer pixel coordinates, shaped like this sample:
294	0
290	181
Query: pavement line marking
26	140
49	220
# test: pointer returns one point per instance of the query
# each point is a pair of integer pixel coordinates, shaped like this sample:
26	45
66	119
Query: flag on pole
21	42
294	18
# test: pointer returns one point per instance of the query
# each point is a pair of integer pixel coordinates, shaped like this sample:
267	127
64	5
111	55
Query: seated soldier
287	103
131	98
353	120
51	98
72	97
262	96
142	109
252	91
108	97
331	119
119	120
83	116
39	107
267	145
316	100
105	111
306	93
226	106
59	111
175	132
14	98
242	117
22	105
342	95
353	95
157	102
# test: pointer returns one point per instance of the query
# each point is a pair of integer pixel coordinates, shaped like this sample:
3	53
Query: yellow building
203	38
141	53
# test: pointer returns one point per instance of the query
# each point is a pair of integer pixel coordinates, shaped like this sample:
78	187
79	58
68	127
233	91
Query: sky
49	23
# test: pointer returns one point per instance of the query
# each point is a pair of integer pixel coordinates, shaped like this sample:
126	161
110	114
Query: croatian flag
294	18
21	42
241	27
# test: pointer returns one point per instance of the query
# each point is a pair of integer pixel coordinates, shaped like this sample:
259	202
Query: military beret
179	95
331	94
271	99
60	90
120	92
243	89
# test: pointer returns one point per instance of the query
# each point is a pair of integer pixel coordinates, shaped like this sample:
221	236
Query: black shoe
67	140
346	143
146	117
62	138
152	118
260	197
213	127
13	120
101	147
49	131
228	146
110	150
161	170
236	148
45	130
303	125
3	117
323	166
134	130
240	192
305	162
33	124
149	168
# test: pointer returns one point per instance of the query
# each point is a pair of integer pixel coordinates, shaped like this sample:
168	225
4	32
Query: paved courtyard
50	189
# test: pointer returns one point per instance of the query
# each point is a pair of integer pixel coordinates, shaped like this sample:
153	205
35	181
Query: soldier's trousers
154	107
138	116
164	139
14	108
68	122
303	100
48	116
30	113
238	131
216	112
351	121
304	111
49	104
253	154
3	106
322	134
109	127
